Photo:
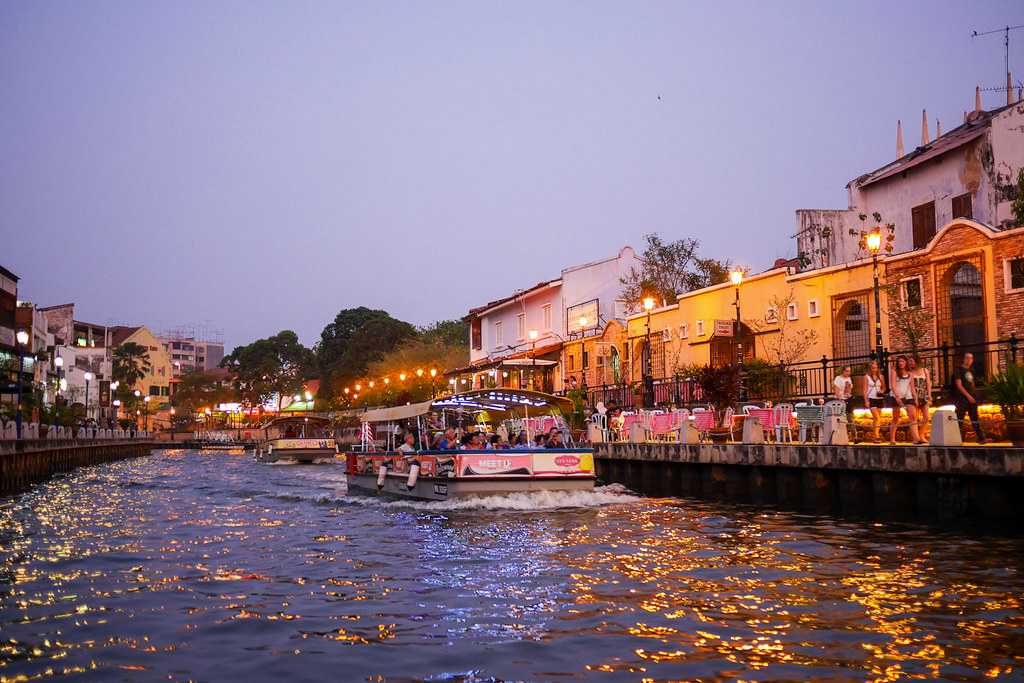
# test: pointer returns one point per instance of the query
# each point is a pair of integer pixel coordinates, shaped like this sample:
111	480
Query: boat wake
536	501
613	494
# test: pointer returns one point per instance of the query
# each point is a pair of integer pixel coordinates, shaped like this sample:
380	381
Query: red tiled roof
120	333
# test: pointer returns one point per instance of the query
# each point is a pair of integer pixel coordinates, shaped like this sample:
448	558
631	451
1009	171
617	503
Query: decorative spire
899	139
977	98
924	127
938	129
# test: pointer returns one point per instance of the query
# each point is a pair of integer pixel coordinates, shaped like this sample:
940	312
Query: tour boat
298	439
444	475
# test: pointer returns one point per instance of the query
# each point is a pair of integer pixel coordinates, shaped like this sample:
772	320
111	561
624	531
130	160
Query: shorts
876	402
890	401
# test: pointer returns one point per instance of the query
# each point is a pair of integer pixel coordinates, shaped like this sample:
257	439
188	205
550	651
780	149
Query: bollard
637	433
945	428
688	432
753	432
833	431
594	433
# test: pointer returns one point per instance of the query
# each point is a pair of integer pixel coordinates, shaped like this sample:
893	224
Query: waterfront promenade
27	461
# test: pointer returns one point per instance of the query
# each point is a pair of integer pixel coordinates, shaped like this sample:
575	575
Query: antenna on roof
1006	54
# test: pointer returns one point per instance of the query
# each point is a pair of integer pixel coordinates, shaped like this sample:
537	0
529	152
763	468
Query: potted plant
1007	390
720	387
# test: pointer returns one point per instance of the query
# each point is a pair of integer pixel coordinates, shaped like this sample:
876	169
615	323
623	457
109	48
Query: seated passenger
409	445
555	440
448	443
522	441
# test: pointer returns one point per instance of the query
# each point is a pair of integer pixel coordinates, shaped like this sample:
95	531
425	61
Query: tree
912	325
131	363
271	367
448	332
197	389
356	338
789	344
1018	202
668	269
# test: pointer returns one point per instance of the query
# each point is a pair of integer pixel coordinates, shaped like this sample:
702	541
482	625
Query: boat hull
446	476
297	450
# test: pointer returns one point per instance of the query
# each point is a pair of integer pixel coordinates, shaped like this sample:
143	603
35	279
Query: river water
208	566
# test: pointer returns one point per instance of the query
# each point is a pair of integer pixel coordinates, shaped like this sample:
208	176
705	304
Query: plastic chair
782	419
704	421
809	418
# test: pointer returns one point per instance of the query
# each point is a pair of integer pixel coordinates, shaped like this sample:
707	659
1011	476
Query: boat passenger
435	443
539	440
409	445
555	440
448	443
496	443
522	440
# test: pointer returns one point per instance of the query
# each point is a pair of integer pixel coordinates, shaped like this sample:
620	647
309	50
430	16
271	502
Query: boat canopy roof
499	400
298	419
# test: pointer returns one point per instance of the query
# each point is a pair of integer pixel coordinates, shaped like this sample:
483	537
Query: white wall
599	280
532	304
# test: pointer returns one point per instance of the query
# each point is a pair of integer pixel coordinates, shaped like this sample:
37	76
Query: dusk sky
262	165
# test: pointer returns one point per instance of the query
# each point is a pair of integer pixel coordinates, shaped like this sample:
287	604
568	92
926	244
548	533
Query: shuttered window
923	218
963	207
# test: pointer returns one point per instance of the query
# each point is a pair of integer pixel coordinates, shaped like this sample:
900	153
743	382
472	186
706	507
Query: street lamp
736	277
58	363
648	368
22	339
88	378
145	405
874	243
533	334
433	374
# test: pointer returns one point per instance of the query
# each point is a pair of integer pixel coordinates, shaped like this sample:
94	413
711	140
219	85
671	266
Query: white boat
298	439
443	475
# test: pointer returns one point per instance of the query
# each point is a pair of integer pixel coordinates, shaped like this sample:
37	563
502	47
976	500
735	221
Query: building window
923	219
700	328
812	308
154	390
475	335
1013	274
771	316
911	292
792	311
572	362
547	316
963	206
684	331
521	326
586	359
497	334
851	334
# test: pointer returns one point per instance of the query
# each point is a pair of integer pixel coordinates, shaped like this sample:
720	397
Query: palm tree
131	363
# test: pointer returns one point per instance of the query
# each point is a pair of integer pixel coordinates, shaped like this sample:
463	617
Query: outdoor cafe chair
810	418
766	417
704	421
782	420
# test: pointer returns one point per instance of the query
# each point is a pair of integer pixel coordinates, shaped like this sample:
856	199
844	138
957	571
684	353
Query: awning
528	362
505	400
396	413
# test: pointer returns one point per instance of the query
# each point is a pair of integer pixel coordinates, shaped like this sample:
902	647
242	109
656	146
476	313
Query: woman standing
904	397
874	392
923	390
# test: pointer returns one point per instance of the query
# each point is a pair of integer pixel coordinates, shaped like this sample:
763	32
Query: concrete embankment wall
887	481
25	463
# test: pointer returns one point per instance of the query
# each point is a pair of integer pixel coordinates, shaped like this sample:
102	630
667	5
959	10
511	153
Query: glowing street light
648	303
309	395
22	338
401	377
419	372
874	243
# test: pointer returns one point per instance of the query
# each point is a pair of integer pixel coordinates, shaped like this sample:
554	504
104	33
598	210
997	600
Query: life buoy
414	474
382	474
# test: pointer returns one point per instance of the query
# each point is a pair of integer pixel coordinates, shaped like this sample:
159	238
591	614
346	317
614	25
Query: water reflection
192	566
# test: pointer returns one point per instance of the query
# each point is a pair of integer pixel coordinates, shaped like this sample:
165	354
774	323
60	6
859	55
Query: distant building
187	353
157	381
83	348
969	172
502	350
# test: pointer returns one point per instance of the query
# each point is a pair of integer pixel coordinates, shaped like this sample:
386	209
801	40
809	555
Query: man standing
965	395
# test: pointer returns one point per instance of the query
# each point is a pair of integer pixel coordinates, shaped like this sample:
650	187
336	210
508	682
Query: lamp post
22	340
433	375
648	371
533	334
58	363
874	244
88	378
736	277
145	406
113	389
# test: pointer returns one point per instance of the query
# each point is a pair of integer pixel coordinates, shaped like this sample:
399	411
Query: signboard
105	393
501	463
724	328
563	463
589	310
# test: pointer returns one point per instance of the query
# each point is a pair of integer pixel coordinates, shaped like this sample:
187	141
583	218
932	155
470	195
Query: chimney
938	129
899	139
924	127
977	98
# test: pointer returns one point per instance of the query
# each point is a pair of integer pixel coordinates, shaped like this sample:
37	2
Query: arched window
851	330
961	313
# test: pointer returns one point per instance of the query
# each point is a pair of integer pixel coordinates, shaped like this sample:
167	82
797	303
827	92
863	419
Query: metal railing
812	380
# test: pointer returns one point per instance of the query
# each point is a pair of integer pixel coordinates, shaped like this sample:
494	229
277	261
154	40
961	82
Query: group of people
908	389
450	440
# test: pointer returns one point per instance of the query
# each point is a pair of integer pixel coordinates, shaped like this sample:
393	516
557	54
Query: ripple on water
188	566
